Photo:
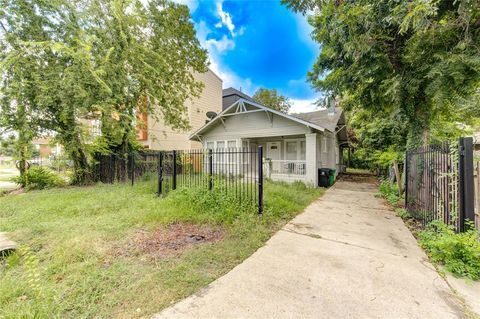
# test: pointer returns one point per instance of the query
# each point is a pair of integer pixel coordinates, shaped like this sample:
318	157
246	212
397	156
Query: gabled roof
324	118
243	106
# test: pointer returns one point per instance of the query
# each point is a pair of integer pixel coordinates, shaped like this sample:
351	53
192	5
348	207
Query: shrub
389	191
458	252
402	213
39	178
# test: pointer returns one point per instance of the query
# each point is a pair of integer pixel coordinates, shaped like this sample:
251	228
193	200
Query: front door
273	154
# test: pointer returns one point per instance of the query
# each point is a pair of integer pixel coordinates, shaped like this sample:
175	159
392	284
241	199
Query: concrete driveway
346	256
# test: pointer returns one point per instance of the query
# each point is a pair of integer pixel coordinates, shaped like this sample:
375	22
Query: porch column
311	158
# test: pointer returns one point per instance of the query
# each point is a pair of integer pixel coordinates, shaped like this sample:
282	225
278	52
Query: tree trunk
398	177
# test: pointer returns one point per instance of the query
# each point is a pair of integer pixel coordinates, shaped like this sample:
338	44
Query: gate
439	183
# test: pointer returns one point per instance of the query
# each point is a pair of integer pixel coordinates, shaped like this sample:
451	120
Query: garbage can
324	177
331	177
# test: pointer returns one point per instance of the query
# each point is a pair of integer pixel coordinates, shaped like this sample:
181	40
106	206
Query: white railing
285	167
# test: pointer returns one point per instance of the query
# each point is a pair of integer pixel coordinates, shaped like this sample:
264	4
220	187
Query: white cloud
215	49
301	106
226	19
224	44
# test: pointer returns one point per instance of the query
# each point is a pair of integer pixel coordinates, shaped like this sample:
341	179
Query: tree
418	58
103	59
271	98
19	76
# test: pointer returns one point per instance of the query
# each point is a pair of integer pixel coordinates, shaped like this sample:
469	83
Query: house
231	95
45	147
155	135
295	146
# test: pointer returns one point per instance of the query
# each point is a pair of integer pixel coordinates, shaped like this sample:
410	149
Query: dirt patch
169	240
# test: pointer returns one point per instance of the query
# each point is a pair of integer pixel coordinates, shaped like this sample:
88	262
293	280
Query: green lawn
77	258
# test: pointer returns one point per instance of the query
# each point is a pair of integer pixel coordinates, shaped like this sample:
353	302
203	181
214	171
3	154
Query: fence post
160	172
210	169
174	168
406	180
132	167
260	180
467	201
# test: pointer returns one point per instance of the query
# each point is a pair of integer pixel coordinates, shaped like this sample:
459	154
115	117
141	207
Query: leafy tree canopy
417	58
66	61
271	98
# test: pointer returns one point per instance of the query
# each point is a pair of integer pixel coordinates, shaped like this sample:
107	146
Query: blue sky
255	44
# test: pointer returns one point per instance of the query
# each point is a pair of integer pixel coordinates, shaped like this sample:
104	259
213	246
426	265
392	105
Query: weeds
73	231
458	252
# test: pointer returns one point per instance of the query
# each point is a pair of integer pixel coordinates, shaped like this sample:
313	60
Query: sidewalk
346	256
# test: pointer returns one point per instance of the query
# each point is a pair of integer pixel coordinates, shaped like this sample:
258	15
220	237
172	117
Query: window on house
210	145
291	150
303	150
245	156
231	149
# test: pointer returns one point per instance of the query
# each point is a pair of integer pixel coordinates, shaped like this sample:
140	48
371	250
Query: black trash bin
324	177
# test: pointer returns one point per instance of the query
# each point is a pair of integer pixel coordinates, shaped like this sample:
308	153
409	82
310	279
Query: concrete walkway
346	256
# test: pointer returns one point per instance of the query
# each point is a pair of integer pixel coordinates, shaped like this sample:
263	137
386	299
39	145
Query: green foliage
64	62
458	252
389	192
415	59
84	240
273	100
39	178
402	213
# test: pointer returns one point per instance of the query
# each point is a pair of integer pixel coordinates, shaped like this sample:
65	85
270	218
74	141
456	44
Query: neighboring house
45	148
157	136
232	95
295	146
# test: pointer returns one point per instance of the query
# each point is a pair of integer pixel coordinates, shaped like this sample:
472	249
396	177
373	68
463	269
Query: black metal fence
235	171
439	183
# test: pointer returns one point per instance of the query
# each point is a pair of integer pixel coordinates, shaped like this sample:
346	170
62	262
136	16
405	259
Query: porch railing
285	167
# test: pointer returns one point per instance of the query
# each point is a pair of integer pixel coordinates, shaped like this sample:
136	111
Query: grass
65	268
358	170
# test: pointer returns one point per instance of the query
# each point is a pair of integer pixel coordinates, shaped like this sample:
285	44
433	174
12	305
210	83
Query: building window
295	150
291	150
303	150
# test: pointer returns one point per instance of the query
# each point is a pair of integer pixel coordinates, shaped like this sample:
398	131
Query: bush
389	192
39	178
458	252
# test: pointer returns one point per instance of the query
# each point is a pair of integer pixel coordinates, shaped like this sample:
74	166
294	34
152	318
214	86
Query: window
295	150
245	156
291	150
303	150
220	149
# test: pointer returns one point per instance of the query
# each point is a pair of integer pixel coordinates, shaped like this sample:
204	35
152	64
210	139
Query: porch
289	158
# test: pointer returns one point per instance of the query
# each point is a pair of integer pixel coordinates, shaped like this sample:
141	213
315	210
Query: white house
295	146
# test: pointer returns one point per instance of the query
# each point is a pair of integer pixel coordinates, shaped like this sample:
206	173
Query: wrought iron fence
439	183
234	171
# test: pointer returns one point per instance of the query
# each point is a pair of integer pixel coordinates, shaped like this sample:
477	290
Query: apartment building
156	135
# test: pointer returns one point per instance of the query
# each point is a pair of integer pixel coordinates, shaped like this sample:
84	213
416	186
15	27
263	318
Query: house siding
254	125
163	137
